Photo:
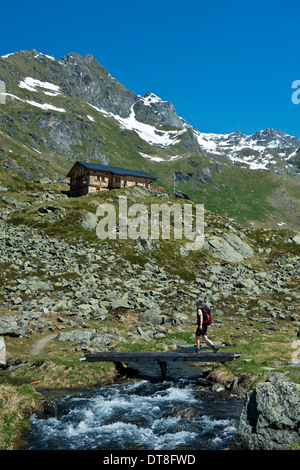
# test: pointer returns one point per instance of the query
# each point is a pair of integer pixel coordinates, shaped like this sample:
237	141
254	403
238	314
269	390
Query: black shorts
201	332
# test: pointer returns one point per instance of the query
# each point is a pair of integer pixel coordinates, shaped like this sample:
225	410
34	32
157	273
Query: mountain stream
140	414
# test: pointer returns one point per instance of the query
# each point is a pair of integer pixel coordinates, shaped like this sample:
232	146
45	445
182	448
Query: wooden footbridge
162	358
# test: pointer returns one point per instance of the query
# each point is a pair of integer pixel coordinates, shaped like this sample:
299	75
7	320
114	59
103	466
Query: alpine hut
88	178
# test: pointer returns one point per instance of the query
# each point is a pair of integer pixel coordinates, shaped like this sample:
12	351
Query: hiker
203	320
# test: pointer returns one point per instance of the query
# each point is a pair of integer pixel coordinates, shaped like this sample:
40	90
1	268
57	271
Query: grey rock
100	341
181	195
153	316
296	238
143	244
77	336
221	249
264	304
240	246
49	410
244	283
44	180
119	302
271	415
143	335
183	252
13	325
186	413
218	388
101	313
89	221
229	248
35	284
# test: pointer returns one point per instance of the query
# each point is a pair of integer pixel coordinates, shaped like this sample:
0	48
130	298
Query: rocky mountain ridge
83	78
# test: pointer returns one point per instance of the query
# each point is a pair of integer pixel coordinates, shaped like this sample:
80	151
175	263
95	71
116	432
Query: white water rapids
137	415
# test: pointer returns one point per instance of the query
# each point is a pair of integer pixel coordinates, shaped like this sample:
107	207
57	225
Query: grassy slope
261	197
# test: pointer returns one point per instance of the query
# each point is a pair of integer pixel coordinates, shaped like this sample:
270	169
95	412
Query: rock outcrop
270	419
229	248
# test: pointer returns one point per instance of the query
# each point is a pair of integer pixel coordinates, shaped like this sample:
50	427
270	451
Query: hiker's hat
199	303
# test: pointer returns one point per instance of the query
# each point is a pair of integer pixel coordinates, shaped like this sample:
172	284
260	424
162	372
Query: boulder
100	341
181	195
296	238
152	315
142	244
229	248
183	252
43	180
89	221
271	416
117	301
76	336
244	283
143	335
13	325
221	249
35	284
240	246
49	410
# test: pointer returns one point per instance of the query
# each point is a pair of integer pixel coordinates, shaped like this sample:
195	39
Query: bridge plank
170	356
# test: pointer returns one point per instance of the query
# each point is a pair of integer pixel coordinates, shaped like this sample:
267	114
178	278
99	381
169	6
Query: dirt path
39	345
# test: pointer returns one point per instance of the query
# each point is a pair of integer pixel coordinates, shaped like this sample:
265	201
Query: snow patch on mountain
255	151
32	84
44	55
293	154
149	133
46	106
254	162
156	158
50	93
14	97
151	98
153	158
237	141
7	55
100	110
146	132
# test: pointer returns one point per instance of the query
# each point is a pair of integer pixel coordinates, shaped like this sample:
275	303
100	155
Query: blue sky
225	65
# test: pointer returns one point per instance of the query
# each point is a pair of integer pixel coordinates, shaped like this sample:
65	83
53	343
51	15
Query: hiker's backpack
206	315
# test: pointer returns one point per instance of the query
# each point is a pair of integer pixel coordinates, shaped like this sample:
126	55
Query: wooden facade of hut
88	178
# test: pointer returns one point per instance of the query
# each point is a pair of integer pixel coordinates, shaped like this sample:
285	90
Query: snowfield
32	84
46	106
146	132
